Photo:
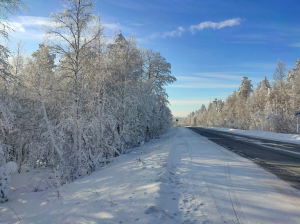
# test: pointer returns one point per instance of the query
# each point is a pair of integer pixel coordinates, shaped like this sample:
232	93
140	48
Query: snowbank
179	178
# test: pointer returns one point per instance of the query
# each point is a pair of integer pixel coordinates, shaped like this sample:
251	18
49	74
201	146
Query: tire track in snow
235	202
203	201
234	199
236	205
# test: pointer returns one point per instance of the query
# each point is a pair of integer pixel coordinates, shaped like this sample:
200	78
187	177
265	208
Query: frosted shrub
5	172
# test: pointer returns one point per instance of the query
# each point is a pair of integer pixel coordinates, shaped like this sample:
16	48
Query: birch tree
279	74
70	38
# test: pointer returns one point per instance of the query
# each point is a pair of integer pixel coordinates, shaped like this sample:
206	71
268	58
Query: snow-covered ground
180	178
292	138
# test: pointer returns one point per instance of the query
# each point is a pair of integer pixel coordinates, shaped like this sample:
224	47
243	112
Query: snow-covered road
180	178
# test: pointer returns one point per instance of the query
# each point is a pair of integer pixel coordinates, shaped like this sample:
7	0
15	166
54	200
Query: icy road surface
180	178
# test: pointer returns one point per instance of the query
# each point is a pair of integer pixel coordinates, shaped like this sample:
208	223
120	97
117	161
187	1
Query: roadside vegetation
268	107
82	98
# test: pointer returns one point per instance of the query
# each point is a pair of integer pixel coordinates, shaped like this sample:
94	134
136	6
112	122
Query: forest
82	98
268	107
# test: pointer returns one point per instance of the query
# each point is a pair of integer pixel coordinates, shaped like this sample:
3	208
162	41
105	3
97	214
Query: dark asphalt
279	158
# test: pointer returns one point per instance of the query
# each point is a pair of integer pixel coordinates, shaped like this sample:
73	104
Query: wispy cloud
214	25
22	23
221	75
250	38
206	81
245	42
129	23
112	26
204	86
149	39
189	102
209	76
294	45
29	27
33	20
213	80
154	35
16	26
178	32
253	36
182	78
174	33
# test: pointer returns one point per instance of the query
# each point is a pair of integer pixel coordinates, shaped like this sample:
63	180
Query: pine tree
245	88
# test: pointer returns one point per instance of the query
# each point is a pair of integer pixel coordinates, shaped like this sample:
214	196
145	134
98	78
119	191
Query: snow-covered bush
5	172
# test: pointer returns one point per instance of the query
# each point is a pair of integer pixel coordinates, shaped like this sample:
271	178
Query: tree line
82	97
268	107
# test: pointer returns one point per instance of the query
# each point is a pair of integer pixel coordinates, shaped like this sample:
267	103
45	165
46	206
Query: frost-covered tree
279	74
9	132
266	107
265	84
7	8
80	100
72	33
245	88
17	60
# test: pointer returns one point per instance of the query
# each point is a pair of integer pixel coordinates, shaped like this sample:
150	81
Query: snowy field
180	178
292	138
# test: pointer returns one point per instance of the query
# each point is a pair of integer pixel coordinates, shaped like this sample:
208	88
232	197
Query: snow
179	178
292	138
11	167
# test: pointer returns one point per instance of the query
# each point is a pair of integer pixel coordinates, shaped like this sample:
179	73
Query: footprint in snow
151	209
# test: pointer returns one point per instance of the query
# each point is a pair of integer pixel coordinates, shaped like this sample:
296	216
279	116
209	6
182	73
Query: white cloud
214	25
15	26
112	26
28	27
174	33
33	20
21	23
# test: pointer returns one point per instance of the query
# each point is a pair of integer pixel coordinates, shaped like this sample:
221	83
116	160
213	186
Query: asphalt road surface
279	158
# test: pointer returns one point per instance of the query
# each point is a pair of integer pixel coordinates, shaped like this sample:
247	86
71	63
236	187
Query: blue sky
211	44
